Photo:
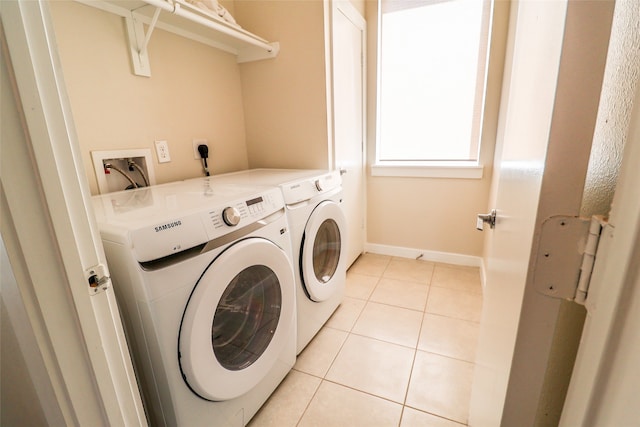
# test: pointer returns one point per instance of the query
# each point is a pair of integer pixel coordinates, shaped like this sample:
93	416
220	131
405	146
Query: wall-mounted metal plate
489	218
561	247
97	279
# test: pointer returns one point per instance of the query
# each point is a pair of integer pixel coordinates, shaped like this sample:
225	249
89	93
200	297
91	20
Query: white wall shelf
186	20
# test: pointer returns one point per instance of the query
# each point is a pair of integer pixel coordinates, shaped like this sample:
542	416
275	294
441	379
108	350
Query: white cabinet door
348	44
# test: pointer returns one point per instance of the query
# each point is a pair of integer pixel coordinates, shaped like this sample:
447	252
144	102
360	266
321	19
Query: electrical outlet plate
196	142
162	150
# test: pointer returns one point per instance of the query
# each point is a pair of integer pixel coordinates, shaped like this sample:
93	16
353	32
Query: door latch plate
489	218
97	279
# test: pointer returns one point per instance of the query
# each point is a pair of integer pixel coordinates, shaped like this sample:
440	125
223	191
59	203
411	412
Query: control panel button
231	216
319	185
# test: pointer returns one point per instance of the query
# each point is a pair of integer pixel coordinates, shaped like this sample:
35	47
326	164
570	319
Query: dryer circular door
322	255
237	320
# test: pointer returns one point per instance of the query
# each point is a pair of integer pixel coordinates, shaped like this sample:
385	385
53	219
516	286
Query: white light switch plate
162	150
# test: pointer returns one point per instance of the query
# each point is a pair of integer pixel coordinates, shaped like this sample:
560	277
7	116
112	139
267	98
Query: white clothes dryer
206	288
313	200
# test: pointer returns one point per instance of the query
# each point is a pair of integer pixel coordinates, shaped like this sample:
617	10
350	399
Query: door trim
80	335
349	12
613	291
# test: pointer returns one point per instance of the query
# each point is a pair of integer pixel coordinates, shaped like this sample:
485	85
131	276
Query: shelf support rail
154	21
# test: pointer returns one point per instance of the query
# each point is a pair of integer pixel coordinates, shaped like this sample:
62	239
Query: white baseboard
435	256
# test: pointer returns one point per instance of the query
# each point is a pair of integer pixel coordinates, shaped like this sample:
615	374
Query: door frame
51	236
346	8
600	384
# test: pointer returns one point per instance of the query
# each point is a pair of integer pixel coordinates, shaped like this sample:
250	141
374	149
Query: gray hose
139	169
123	173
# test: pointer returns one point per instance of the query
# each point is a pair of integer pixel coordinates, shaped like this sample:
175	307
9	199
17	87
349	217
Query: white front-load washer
313	200
206	287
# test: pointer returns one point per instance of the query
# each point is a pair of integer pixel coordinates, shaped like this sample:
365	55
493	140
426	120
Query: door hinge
97	279
567	248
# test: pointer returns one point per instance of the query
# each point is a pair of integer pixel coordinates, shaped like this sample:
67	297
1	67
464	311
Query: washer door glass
247	317
322	256
239	320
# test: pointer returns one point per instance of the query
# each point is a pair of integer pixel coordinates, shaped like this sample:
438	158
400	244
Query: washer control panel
179	233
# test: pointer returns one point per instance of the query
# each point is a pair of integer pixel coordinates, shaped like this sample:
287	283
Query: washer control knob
319	185
231	216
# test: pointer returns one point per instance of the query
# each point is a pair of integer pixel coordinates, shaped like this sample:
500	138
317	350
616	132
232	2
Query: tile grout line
308	403
415	352
322	379
364	392
436	415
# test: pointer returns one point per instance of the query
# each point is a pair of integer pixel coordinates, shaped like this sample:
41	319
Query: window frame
470	169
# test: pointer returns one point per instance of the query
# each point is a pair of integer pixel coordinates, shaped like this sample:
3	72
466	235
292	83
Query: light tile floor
399	351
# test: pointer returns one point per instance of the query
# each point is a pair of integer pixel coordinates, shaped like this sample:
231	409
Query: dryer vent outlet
123	169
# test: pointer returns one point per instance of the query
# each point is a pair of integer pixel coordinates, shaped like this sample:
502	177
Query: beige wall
360	6
433	214
285	99
426	214
194	92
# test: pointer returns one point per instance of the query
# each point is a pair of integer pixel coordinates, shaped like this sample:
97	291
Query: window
432	73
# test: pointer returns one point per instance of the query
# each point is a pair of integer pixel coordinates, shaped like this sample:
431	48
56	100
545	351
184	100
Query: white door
527	106
348	47
541	161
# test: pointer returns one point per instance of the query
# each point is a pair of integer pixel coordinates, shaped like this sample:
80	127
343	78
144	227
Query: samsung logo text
168	226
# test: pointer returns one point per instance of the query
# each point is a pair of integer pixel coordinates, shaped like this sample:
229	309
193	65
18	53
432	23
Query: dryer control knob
319	185
231	216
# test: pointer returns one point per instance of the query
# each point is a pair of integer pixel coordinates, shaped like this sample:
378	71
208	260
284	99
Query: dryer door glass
322	254
326	251
246	317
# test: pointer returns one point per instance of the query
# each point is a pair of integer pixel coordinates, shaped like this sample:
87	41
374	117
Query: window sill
460	170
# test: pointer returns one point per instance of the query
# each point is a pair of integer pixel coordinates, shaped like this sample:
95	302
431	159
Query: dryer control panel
305	189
